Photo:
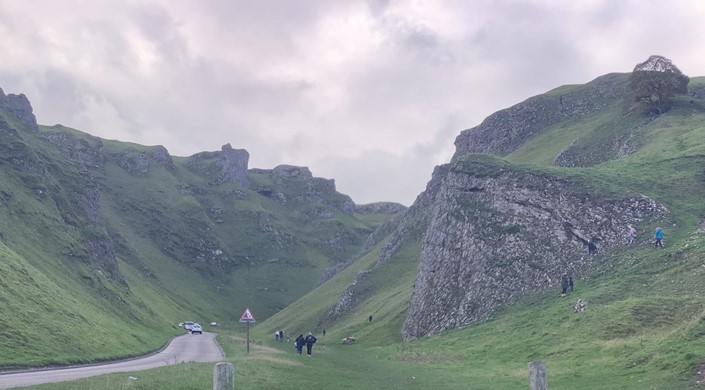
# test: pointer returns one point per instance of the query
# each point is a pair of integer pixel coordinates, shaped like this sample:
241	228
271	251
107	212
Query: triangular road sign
247	316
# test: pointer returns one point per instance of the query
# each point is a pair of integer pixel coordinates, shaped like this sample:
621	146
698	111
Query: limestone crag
415	219
20	106
228	165
504	131
234	165
497	233
351	297
86	152
138	162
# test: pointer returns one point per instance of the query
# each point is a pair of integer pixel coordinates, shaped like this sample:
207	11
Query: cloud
371	93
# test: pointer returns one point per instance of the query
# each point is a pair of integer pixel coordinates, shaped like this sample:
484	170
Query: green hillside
106	245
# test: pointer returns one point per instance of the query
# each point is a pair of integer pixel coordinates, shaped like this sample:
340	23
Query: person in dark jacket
570	282
564	285
299	343
310	339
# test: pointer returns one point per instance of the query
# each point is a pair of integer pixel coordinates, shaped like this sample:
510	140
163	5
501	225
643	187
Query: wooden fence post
224	376
537	376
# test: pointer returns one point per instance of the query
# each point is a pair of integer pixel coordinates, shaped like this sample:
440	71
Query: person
276	335
631	234
310	339
659	238
299	343
324	333
564	284
281	335
287	338
369	318
592	247
570	282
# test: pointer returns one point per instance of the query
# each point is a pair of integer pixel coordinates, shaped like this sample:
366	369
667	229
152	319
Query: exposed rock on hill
497	232
227	165
504	131
19	106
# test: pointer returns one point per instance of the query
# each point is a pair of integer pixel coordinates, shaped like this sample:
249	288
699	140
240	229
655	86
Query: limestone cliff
504	131
497	232
19	106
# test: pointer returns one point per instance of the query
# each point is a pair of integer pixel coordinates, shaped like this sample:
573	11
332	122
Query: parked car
196	329
188	324
214	324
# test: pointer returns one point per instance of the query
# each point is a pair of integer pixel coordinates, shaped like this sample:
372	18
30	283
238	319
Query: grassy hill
105	246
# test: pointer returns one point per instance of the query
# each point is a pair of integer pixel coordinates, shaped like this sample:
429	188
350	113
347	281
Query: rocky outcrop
497	232
228	165
234	165
19	106
86	152
504	131
415	220
353	295
138	162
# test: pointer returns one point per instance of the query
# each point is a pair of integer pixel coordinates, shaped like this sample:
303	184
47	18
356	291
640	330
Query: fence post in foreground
224	376
537	376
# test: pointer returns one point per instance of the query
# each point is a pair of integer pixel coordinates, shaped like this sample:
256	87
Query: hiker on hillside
658	236
592	247
276	335
570	282
631	234
310	339
299	343
369	318
324	333
564	284
281	335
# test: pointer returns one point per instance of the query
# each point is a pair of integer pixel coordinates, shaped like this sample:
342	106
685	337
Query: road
187	348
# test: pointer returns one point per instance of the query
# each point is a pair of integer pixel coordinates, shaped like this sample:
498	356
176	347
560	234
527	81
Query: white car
195	328
188	324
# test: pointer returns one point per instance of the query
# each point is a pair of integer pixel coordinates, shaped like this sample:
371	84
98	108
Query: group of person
631	238
308	341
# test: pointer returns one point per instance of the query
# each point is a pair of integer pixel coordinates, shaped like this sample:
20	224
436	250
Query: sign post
247	317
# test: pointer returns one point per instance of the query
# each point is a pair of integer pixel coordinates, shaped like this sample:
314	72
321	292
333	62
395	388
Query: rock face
228	165
496	234
504	131
19	106
234	165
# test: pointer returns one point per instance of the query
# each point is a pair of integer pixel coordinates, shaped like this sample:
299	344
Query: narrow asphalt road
187	348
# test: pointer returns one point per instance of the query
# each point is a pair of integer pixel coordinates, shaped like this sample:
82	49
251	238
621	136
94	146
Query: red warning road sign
247	316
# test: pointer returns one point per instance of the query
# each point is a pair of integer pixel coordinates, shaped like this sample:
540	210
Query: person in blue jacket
310	339
658	236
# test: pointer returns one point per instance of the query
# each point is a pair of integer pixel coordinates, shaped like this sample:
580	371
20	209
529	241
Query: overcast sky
369	93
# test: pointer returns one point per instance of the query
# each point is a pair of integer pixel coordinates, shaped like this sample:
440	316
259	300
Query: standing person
658	236
324	333
570	282
564	284
369	318
631	234
276	335
299	343
281	335
310	339
592	247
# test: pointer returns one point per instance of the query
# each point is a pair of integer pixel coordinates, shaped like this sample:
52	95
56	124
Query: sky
371	93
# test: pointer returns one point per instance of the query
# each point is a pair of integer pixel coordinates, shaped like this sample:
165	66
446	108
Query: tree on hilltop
654	82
